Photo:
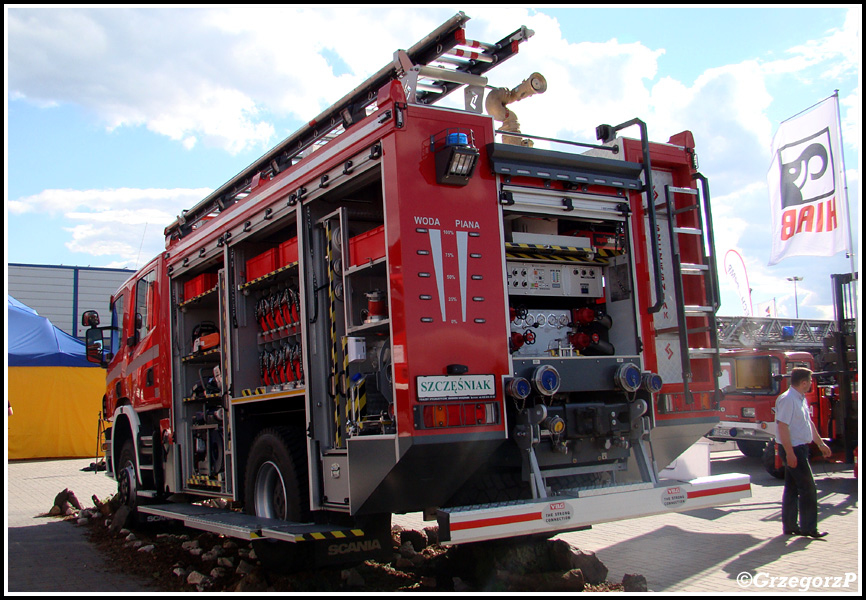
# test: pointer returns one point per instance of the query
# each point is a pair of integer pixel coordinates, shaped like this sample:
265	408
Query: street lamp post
795	279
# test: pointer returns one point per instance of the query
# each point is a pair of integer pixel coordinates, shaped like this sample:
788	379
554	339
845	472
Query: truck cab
751	380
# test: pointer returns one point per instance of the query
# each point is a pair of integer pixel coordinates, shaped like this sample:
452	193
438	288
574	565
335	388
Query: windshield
750	375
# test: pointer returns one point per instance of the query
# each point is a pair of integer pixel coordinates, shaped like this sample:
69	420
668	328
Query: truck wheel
275	483
126	479
751	448
769	460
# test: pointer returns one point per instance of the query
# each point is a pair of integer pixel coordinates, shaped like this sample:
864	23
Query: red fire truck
752	379
392	311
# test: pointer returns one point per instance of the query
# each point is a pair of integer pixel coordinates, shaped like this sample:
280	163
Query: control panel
552	279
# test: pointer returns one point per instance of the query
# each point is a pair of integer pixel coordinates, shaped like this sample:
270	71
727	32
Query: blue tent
35	342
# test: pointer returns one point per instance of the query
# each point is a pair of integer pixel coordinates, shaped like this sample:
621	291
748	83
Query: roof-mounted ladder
430	70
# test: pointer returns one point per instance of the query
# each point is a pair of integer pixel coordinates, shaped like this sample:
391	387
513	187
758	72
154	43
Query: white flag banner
735	267
807	196
767	309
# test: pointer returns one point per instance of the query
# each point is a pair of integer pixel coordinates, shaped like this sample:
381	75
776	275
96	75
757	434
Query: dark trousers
800	495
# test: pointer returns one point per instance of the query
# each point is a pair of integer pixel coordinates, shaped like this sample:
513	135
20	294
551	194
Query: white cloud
120	223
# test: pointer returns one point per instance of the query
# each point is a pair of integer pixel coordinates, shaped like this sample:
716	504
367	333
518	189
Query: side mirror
95	345
90	318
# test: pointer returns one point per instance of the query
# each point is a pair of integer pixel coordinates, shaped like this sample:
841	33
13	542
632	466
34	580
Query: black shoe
815	534
793	532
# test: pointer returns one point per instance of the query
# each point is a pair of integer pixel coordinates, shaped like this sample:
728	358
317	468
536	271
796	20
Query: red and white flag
807	195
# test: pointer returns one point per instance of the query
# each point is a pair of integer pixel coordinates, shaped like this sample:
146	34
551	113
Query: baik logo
807	172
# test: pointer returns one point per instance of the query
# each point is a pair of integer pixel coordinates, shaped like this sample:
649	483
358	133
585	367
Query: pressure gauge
552	320
563	320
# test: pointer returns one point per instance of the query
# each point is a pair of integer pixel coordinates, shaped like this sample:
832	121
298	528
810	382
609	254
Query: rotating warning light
546	380
456	156
628	377
651	382
518	388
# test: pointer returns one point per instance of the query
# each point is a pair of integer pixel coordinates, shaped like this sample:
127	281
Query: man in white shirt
795	429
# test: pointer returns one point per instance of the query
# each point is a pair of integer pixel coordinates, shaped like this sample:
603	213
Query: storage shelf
249	284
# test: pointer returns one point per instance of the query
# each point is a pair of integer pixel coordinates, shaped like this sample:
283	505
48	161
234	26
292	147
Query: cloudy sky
119	118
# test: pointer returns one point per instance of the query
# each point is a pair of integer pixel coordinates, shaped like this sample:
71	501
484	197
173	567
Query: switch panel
552	279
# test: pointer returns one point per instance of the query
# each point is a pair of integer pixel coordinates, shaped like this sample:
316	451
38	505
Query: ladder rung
695	309
686	209
698	330
688	230
692	268
679	190
693	351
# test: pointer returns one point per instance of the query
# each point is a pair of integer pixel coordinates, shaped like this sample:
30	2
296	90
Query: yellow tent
54	393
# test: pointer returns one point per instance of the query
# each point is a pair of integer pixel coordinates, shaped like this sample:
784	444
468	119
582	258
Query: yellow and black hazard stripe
256	392
204	481
318	536
335	365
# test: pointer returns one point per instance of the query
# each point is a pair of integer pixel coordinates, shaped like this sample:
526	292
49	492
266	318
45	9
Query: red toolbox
367	246
199	285
289	252
264	263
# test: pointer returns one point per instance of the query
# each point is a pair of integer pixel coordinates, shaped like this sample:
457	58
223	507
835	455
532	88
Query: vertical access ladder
695	280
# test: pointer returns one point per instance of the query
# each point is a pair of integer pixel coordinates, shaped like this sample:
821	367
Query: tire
769	460
275	480
752	448
125	471
275	487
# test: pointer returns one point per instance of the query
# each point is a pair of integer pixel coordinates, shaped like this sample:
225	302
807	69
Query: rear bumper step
248	527
579	509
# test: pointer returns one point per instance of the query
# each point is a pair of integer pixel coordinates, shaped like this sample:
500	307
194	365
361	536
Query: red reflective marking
496	521
725	490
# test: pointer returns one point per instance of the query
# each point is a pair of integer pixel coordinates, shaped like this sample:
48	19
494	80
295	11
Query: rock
195	578
82	521
225	561
428	582
403	563
254	581
189	545
119	519
179	571
130	537
147	549
244	568
210	555
196	551
352	578
565	557
416	538
66	497
633	583
252	555
407	550
102	507
432	534
217	572
570	581
460	585
230	545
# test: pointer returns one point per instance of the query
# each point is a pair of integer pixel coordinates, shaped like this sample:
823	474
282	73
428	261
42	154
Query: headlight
749	412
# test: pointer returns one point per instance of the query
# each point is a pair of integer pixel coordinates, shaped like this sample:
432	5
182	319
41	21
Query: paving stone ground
735	548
